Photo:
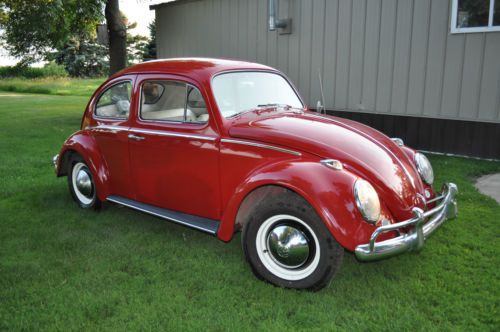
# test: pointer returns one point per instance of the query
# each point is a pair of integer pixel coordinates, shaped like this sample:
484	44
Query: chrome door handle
135	137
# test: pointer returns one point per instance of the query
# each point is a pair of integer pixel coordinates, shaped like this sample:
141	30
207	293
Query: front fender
329	192
84	144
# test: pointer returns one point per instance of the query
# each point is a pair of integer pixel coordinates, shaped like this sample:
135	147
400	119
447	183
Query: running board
202	224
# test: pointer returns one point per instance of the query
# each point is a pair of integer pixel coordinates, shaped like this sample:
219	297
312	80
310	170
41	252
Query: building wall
388	57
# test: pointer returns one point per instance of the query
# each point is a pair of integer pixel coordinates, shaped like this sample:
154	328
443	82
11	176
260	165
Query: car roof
200	68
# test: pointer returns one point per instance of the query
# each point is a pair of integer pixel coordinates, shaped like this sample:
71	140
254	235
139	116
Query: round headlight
367	200
424	168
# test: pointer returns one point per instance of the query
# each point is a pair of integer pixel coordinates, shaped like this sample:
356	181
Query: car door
174	147
111	111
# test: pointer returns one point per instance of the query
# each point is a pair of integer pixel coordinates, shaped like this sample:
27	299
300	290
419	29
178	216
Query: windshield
241	91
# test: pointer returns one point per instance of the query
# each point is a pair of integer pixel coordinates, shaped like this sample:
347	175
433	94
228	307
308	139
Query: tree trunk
117	37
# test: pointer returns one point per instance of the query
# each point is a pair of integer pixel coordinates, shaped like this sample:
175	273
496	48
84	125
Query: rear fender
84	144
329	192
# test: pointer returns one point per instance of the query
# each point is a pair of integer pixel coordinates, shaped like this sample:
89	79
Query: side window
196	105
115	101
172	101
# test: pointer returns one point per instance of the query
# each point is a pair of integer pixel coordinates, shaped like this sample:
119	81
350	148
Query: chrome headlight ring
424	168
367	201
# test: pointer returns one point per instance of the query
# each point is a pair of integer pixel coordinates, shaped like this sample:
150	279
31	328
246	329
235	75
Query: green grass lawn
65	268
52	86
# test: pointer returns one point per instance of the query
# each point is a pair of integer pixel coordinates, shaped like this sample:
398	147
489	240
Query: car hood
364	151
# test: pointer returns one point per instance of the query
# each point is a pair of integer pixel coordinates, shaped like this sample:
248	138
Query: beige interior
120	109
170	106
175	114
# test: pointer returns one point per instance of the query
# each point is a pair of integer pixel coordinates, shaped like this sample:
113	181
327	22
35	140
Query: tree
117	37
136	47
35	28
150	51
89	58
136	44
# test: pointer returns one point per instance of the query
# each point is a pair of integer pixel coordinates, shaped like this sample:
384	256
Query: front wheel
81	184
288	245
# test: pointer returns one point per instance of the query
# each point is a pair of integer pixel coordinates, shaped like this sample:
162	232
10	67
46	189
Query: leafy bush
49	70
84	59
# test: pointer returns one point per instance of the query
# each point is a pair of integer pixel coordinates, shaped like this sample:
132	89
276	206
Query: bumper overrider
424	224
54	161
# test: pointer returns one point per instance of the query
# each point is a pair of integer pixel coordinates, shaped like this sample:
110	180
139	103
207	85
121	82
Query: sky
136	11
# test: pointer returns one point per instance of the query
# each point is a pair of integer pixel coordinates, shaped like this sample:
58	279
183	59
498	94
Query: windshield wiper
240	113
258	106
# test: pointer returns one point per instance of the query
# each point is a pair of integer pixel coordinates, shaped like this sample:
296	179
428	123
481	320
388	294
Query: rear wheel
81	184
288	245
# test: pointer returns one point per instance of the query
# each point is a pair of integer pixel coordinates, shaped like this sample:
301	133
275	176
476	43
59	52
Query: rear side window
115	101
164	100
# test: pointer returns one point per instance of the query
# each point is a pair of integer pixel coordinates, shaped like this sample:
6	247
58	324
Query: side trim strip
171	134
260	145
199	137
106	127
152	132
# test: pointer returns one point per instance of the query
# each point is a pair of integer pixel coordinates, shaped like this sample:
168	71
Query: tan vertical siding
380	92
371	51
436	53
489	97
418	57
343	54
330	50
401	64
317	45
377	56
357	43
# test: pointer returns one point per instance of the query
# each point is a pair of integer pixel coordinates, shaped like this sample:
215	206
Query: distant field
51	85
63	268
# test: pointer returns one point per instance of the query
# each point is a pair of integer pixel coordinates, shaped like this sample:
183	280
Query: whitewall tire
81	184
288	245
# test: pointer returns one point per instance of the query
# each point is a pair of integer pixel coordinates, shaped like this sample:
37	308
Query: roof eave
169	3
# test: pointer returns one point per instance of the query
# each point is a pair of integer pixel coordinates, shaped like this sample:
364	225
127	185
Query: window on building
475	16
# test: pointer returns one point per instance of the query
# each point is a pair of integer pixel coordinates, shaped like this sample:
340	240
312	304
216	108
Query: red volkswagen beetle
223	146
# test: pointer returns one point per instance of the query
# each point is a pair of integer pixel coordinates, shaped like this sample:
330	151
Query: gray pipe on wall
274	22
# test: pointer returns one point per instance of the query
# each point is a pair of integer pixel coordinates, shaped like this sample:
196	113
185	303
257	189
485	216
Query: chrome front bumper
446	208
54	161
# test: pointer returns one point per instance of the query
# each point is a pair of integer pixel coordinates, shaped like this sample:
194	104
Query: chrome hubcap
84	183
288	246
